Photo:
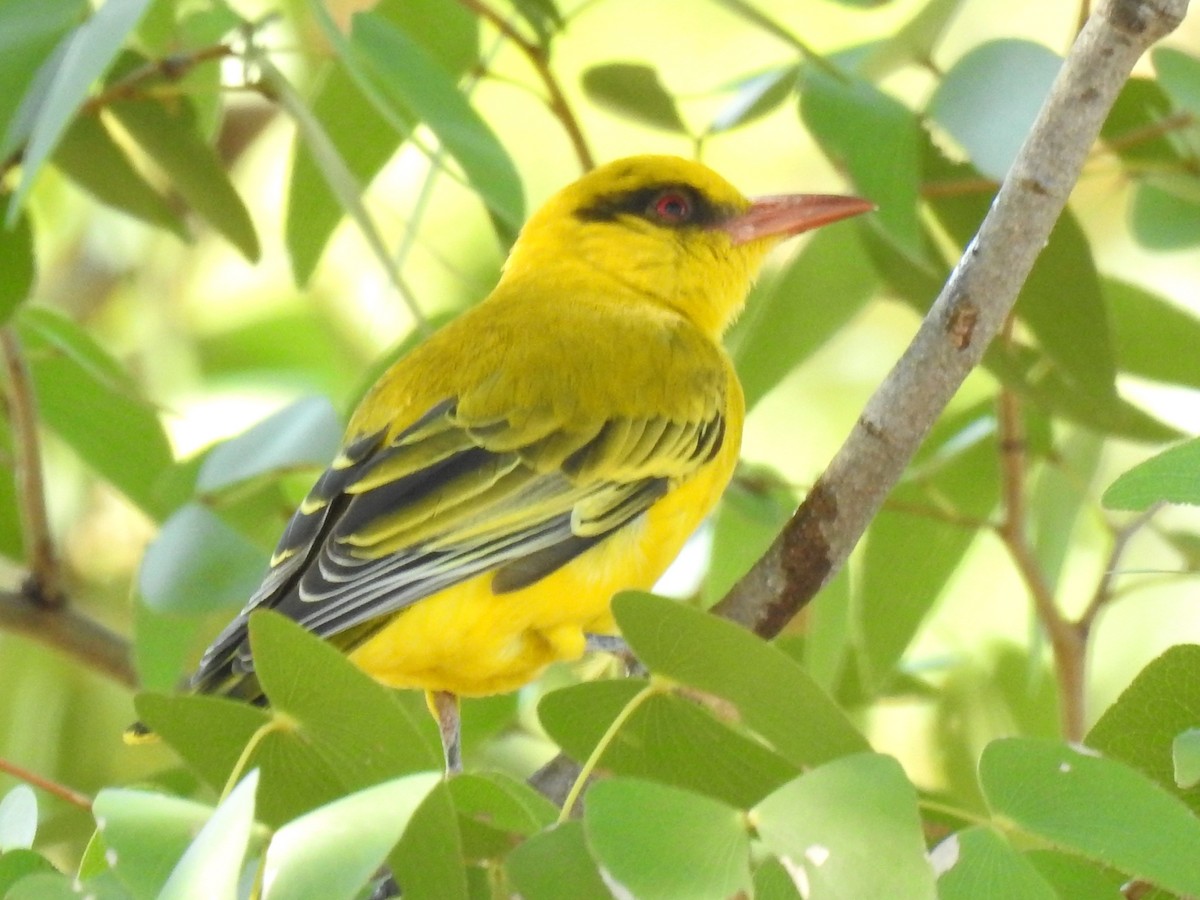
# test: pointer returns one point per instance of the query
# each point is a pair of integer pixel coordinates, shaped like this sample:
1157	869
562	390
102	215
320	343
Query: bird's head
670	229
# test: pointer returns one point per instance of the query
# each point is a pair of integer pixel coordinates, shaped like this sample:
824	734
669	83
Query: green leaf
542	15
1178	75
208	732
851	826
415	83
18	819
429	860
90	157
659	739
44	886
332	851
363	139
495	811
17	864
93	47
990	97
198	564
29	32
1140	728
1073	877
1141	106
169	135
752	511
17	264
911	555
1153	337
796	312
979	863
147	833
164	646
720	658
1096	807
914	42
85	397
1166	212
212	865
634	91
305	434
1185	753
754	97
877	139
705	853
1172	476
772	881
554	862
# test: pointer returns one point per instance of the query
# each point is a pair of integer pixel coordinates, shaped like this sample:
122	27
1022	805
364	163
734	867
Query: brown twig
538	57
170	68
70	795
65	630
1104	593
968	314
1067	643
44	586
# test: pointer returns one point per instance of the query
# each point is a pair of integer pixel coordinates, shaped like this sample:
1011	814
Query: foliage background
152	357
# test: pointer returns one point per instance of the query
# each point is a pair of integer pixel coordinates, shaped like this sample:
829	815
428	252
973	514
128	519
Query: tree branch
967	315
65	630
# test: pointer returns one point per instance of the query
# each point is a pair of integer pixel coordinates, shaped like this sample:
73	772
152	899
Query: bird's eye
672	206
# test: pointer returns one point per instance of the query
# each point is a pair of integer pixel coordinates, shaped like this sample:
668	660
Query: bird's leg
615	644
445	706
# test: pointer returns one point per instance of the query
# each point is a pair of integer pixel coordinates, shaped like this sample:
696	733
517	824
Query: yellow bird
553	445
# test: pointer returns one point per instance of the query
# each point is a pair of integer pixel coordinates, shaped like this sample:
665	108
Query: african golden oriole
553	445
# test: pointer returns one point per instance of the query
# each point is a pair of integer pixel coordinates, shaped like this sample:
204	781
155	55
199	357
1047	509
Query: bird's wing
395	520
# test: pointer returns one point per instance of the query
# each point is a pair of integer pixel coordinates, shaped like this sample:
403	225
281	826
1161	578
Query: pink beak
789	214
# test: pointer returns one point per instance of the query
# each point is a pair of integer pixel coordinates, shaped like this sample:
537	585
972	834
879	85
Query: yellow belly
471	641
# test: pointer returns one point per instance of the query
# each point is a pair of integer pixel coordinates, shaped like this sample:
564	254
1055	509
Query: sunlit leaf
721	658
1153	337
198	564
540	867
18	819
704	854
990	97
304	434
977	862
1097	807
330	852
85	396
754	97
212	864
1141	727
1185	753
851	825
877	139
411	80
29	32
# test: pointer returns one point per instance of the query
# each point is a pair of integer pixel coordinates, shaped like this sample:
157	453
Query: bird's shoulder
575	359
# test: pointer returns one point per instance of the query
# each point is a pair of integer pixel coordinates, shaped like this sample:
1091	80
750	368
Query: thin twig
70	795
540	60
44	586
1067	643
76	635
1104	592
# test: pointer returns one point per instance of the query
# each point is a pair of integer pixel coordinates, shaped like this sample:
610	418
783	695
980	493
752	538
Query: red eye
672	207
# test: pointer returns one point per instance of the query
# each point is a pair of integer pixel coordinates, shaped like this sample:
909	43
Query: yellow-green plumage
553	445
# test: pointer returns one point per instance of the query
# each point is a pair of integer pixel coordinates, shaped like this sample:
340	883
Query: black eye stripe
640	202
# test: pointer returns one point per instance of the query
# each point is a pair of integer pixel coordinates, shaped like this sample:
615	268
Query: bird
556	443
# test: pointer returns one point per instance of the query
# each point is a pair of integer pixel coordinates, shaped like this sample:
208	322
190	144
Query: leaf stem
602	746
